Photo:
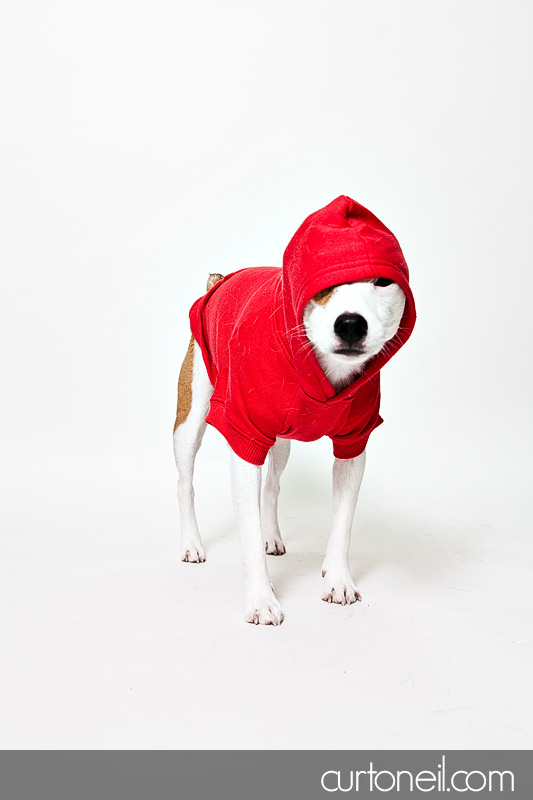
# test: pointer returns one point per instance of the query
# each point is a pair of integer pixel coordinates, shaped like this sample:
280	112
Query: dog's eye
383	282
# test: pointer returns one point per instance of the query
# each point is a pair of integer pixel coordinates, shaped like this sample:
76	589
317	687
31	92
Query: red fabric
267	380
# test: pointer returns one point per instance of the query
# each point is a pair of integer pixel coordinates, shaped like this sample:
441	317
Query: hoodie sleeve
361	419
352	444
243	436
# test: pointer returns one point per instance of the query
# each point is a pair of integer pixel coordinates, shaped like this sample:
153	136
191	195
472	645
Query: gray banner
262	775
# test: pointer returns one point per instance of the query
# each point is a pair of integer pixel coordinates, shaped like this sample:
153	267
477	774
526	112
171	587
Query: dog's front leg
260	604
338	585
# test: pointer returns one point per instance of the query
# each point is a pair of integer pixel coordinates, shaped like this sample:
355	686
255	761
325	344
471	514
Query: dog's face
349	324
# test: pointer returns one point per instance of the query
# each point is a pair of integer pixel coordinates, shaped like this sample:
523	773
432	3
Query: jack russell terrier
293	353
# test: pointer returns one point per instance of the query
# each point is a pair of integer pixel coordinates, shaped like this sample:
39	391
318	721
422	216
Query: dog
269	362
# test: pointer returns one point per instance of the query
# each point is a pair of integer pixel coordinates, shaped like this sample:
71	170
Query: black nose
351	328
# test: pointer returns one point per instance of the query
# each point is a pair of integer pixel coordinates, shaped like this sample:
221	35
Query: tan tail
185	386
186	371
214	277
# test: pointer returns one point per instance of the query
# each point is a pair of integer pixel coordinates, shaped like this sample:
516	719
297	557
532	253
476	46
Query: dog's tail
214	277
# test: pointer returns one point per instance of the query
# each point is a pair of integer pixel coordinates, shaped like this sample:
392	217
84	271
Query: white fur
381	306
259	532
187	440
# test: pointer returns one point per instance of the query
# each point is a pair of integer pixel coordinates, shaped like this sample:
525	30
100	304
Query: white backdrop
145	144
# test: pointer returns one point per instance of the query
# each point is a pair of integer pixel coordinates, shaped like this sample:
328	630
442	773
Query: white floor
109	641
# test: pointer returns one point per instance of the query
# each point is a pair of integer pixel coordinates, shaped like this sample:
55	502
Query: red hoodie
267	380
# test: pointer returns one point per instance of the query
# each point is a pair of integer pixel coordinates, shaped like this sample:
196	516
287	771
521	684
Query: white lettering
405	772
459	772
349	789
330	772
420	777
381	788
475	772
371	772
501	774
425	780
359	772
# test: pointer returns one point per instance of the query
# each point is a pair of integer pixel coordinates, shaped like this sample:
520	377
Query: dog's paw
265	612
274	546
193	553
339	589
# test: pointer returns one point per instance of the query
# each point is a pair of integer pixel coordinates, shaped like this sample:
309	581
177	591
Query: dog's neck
339	375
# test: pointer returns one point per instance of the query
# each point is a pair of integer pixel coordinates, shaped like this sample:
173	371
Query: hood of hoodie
341	243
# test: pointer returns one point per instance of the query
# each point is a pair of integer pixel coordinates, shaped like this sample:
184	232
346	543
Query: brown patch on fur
186	371
185	386
322	297
214	277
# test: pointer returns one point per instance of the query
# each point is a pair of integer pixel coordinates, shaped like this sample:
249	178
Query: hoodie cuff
350	449
251	450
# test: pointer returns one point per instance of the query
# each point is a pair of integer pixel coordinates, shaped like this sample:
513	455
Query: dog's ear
214	277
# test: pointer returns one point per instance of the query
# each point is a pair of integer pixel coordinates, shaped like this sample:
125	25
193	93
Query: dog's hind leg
338	585
260	603
277	461
194	393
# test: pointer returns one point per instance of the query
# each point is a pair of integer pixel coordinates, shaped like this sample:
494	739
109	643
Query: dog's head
346	292
349	324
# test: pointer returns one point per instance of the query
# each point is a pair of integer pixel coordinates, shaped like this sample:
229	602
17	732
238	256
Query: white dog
346	329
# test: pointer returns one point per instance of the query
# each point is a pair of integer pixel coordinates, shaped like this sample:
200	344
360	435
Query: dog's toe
193	554
268	612
274	547
343	592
